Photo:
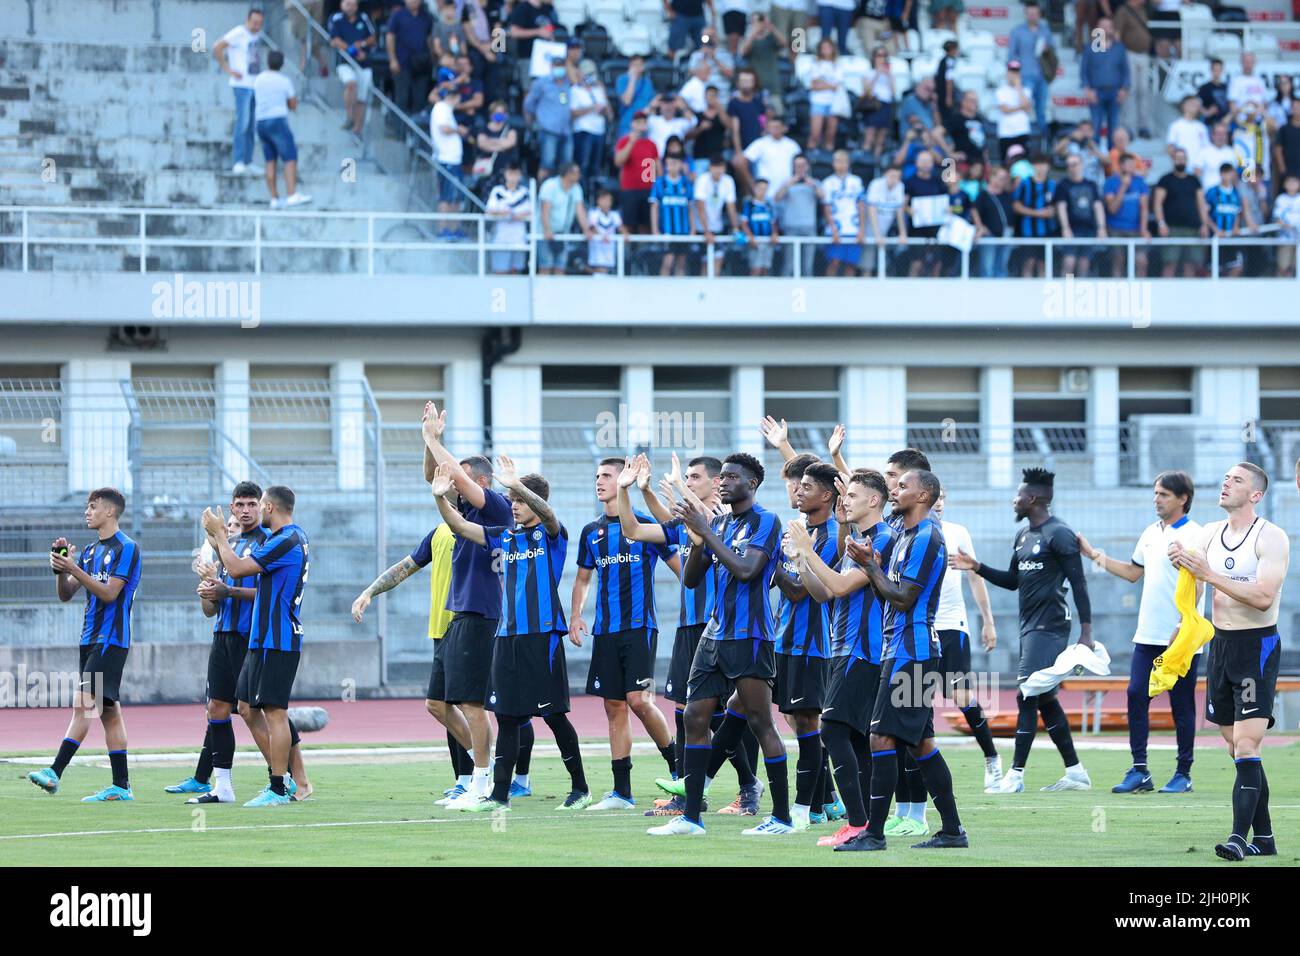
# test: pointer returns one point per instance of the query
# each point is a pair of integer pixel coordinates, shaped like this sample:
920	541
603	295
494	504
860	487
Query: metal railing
266	242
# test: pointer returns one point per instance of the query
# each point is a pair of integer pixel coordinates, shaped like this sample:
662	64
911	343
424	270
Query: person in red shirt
636	156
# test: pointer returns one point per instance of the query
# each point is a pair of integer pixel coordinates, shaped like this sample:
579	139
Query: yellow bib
1193	633
440	581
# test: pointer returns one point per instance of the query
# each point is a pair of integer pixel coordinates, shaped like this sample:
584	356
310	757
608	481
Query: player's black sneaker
863	841
1234	850
1261	846
945	841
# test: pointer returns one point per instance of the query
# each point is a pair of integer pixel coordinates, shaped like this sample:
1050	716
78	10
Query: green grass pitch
380	812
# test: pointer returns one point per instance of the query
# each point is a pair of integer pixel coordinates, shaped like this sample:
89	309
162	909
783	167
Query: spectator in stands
1026	45
710	138
591	115
758	222
722	65
1018	164
1127	199
409	42
925	214
1033	206
1081	216
1179	205
715	208
762	49
771	156
1119	145
871	23
1205	164
972	178
798	212
573	60
1162	20
945	84
1286	149
530	20
845	210
606	227
968	129
676	146
995	217
1213	94
669	116
547	110
886	205
686	23
353	34
920	103
836	16
1104	74
918	141
448	151
1013	104
635	93
1279	108
510	207
449	32
1082	142
274	98
748	109
879	94
561	204
1250	138
788	16
239	53
1229	215
1286	213
1188	132
471	93
637	160
1246	86
735	20
670	214
826	86
497	143
478	34
692	91
902	17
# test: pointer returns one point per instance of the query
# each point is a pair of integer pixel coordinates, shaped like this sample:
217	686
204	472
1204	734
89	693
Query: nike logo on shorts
796	700
1251	711
644	682
547	704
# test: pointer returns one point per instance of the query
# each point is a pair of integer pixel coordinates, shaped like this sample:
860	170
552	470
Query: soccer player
803	641
109	570
954	639
229	600
909	668
1045	557
528	676
701	481
625	634
741	550
475	597
857	641
281	563
1244	558
1157	625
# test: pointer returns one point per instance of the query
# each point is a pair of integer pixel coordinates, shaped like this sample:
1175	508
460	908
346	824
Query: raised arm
508	475
777	435
461	526
432	427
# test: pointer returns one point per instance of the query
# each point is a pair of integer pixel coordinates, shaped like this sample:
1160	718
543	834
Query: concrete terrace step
115	20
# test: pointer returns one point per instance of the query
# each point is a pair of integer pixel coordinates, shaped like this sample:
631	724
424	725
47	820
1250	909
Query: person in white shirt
886	201
1206	163
448	150
1286	213
606	225
1015	110
510	207
693	90
1158	621
954	639
240	54
715	193
591	115
844	210
665	122
274	98
1188	131
771	156
825	85
1246	87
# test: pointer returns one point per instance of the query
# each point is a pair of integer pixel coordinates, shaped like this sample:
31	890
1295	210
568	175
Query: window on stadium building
1050	416
400	392
290	421
695	401
574	397
177	406
808	398
1154	391
943	410
1279	393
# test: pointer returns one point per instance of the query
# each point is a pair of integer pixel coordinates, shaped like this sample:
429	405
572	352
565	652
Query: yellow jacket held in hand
1193	633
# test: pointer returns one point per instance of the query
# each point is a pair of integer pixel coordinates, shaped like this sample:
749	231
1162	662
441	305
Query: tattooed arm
390	579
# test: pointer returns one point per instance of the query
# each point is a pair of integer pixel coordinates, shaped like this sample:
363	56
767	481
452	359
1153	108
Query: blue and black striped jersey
673	199
531	563
236	617
804	627
919	557
283	557
625	574
740	608
695	602
859	620
109	622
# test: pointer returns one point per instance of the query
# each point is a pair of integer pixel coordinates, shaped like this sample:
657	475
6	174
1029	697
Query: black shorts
437	689
800	683
851	692
225	661
266	679
719	664
622	663
1241	675
467	658
905	700
634	207
734	23
955	659
1038	650
530	677
101	665
685	641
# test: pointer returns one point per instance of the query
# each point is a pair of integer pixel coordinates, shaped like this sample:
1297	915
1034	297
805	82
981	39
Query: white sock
904	809
800	810
463	781
521	779
1019	772
1075	769
482	785
917	812
223	785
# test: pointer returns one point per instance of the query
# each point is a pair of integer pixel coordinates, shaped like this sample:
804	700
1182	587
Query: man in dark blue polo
410	55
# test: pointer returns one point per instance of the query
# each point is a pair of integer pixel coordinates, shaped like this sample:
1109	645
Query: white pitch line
259	826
